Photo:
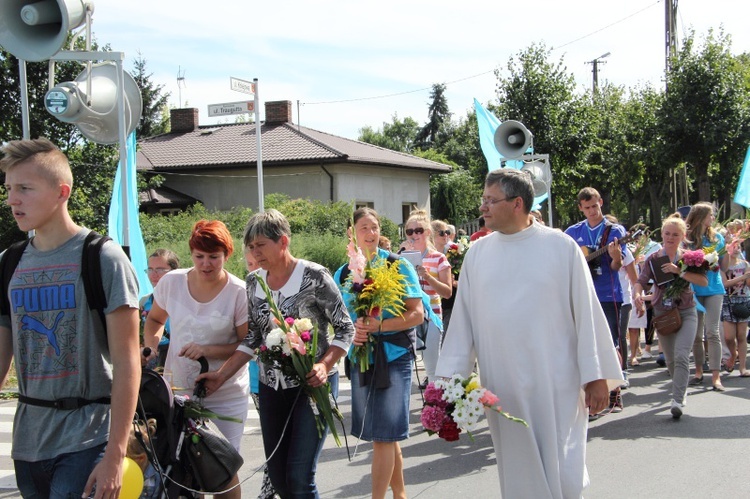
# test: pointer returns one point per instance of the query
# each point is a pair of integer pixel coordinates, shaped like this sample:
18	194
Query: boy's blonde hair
53	165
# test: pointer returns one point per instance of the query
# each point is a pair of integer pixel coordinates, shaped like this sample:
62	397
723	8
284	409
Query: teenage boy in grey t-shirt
60	347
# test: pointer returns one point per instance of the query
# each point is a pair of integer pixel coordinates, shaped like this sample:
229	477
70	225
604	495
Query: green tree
153	119
437	128
705	113
397	135
541	94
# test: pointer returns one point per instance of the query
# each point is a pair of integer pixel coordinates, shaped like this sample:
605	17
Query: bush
318	230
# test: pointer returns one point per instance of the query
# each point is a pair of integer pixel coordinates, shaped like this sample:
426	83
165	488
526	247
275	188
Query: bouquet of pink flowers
691	261
455	254
455	405
291	347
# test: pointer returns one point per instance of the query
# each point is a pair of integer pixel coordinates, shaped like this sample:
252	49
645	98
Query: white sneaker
676	409
646	355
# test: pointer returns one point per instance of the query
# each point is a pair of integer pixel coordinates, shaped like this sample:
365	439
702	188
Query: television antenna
180	83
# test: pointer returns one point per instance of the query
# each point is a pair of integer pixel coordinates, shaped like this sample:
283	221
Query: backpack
91	272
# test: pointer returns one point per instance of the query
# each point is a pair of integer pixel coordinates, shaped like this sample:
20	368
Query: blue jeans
612	312
62	477
292	466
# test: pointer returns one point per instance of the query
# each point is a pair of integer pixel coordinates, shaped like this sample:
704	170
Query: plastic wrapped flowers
455	405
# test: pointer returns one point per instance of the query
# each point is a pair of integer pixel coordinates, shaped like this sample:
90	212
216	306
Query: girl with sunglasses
435	279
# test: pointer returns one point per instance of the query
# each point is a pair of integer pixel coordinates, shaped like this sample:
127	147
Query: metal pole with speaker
513	140
35	31
106	114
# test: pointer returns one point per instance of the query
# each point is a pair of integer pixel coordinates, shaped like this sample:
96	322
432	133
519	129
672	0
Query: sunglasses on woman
418	230
444	233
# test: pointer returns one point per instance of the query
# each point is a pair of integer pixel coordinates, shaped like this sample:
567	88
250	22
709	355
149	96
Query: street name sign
244	86
229	108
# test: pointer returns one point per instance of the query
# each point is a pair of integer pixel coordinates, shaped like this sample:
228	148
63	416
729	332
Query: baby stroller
190	455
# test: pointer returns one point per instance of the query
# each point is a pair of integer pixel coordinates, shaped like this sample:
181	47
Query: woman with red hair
207	308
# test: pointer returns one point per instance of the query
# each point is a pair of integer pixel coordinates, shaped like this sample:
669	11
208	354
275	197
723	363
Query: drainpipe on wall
322	167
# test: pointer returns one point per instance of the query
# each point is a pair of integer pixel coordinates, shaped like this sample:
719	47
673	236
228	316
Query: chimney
279	111
184	120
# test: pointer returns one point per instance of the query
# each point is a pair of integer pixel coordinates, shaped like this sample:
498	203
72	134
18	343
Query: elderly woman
207	308
676	346
301	289
381	413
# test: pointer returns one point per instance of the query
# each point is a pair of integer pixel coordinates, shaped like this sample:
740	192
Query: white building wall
386	188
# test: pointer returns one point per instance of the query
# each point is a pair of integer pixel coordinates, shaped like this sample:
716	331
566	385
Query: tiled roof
283	144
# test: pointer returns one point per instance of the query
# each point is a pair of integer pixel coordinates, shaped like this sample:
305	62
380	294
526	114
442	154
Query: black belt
378	371
66	404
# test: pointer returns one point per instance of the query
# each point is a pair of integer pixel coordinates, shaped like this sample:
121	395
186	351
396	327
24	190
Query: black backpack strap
8	265
91	273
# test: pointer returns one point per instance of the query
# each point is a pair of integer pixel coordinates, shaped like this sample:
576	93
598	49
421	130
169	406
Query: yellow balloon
132	480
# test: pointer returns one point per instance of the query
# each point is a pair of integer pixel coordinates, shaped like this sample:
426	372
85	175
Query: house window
364	204
407	208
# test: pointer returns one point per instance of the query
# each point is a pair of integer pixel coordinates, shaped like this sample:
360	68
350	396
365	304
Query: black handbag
740	310
212	459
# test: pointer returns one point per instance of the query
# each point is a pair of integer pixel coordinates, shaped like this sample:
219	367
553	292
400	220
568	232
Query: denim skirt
382	415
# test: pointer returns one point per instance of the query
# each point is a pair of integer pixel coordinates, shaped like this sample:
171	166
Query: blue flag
137	247
742	194
488	123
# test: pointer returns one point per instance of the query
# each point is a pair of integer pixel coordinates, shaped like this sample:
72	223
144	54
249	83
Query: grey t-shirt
59	347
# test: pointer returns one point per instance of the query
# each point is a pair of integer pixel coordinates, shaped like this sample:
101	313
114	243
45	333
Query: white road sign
244	86
229	108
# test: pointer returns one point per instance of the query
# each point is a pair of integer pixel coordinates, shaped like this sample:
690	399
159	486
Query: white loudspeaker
96	114
541	176
37	30
512	139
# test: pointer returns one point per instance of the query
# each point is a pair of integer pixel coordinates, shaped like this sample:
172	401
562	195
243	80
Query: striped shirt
434	262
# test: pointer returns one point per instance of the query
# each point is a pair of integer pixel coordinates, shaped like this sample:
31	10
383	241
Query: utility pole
678	185
595	70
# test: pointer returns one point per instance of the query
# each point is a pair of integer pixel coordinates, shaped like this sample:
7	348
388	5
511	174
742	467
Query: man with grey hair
526	309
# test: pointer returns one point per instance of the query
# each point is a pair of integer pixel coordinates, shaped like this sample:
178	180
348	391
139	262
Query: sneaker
661	361
646	356
676	409
625	383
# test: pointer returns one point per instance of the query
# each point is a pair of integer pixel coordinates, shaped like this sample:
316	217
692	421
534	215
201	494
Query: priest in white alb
527	311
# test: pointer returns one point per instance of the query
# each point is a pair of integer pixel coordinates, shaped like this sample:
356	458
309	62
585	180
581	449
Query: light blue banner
137	247
742	194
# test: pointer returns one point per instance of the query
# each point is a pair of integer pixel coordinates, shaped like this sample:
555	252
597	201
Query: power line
386	96
607	26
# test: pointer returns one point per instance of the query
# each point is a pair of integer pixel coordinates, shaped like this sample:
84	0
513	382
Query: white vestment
526	309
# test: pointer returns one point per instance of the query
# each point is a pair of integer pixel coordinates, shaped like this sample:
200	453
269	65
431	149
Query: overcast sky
339	58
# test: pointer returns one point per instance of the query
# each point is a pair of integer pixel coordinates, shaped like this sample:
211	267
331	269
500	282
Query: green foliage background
318	230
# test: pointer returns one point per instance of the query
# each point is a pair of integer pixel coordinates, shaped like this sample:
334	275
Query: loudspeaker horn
37	30
541	176
96	115
512	139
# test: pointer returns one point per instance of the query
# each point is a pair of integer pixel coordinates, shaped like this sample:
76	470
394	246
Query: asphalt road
639	453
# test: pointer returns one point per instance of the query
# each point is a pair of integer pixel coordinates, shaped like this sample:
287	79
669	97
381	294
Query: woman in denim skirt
380	396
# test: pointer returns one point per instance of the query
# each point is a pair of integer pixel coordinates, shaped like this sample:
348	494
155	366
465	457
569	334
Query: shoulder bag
668	322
